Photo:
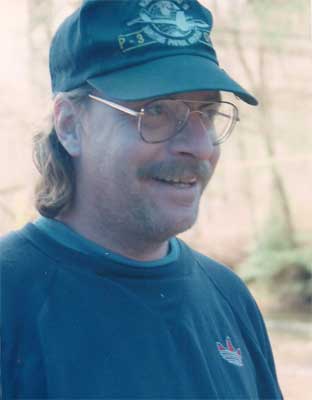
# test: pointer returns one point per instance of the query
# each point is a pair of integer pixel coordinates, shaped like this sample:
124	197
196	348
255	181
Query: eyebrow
213	96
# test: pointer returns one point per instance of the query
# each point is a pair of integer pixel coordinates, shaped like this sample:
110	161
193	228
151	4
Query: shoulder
15	246
224	279
26	272
18	252
235	292
26	278
228	283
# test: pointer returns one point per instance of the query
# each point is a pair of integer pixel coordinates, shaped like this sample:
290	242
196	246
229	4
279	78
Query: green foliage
276	264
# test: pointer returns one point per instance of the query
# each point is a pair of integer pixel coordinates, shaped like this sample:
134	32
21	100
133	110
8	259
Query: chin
158	224
185	226
175	226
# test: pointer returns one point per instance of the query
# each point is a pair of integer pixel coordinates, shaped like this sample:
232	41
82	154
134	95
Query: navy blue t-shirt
87	326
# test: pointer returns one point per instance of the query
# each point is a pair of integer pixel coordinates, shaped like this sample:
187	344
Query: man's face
122	177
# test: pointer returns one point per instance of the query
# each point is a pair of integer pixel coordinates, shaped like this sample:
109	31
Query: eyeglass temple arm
116	106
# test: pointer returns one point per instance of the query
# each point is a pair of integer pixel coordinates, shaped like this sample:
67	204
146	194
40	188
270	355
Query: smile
179	182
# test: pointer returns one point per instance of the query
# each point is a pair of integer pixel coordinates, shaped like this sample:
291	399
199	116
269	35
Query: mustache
176	169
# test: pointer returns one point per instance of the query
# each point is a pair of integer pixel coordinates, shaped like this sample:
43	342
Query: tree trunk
266	128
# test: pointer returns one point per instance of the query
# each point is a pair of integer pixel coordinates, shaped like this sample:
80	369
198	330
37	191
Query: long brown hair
55	188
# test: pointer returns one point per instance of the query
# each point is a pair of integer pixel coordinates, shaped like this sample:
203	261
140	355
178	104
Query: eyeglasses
162	119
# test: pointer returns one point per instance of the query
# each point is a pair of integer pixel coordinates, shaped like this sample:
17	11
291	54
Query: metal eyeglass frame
139	115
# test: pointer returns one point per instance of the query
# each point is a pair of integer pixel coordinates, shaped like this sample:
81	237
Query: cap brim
168	75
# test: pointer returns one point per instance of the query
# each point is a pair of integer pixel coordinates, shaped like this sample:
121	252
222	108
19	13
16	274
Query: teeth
179	181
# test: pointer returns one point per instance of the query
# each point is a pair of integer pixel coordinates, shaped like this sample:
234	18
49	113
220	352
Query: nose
195	140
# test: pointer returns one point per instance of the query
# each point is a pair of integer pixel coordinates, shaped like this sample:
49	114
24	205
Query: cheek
126	147
118	162
216	156
116	150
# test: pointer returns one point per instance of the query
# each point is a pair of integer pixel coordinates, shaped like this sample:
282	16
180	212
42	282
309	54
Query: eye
156	109
210	113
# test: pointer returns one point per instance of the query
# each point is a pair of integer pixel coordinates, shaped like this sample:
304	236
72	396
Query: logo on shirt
229	353
167	22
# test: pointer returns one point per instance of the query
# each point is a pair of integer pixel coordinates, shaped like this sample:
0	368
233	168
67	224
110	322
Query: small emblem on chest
229	353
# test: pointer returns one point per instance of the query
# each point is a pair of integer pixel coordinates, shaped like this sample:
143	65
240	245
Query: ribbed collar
104	265
63	234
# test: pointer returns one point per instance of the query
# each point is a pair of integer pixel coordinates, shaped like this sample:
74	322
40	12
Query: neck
128	244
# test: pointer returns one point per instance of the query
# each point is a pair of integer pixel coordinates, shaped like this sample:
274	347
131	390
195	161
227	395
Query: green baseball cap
139	49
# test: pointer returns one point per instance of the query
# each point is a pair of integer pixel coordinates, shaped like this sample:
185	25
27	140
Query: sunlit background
256	215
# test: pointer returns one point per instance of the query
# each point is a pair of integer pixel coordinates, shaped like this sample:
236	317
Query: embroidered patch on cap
229	353
168	22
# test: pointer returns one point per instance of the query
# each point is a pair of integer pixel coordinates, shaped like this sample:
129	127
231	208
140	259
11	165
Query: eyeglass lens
163	119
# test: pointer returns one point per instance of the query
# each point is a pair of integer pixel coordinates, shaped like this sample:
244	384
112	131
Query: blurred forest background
256	215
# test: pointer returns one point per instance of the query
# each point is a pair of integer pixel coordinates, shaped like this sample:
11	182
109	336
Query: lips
184	173
177	181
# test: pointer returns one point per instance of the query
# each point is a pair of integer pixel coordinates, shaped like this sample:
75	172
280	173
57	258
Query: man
100	299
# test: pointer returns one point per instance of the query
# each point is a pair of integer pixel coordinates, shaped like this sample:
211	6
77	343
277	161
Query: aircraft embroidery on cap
229	353
167	22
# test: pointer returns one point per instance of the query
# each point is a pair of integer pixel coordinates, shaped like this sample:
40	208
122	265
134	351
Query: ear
66	125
